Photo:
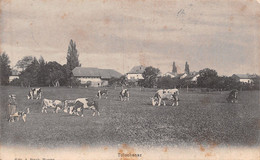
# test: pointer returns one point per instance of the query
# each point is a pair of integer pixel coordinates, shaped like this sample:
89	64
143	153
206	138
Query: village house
172	75
94	77
136	73
244	78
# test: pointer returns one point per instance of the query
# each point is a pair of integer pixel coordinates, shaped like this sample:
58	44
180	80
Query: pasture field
199	118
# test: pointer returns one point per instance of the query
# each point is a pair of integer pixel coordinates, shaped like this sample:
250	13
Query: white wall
11	78
134	76
246	80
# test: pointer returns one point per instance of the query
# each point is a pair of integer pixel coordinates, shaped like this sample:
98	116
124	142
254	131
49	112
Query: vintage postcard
129	79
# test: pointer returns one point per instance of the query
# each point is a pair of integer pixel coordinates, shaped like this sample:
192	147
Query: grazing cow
232	97
35	93
68	106
85	103
16	116
124	94
54	104
101	93
166	94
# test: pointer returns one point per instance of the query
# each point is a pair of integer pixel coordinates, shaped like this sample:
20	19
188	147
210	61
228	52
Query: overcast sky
119	34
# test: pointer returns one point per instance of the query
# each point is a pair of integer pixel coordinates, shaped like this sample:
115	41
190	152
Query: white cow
165	94
54	104
124	94
85	103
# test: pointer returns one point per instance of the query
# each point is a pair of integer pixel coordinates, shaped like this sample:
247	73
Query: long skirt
11	109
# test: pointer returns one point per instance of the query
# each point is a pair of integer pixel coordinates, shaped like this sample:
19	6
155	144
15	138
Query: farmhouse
94	77
244	78
172	75
14	75
136	73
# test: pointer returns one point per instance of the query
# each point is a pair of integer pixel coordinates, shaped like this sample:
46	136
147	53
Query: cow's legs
159	102
164	103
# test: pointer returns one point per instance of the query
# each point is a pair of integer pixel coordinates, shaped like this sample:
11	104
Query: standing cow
101	93
165	94
85	103
68	106
35	93
54	104
124	94
232	97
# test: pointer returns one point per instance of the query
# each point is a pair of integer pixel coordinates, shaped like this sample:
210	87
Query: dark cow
101	93
35	93
85	103
165	94
124	94
232	97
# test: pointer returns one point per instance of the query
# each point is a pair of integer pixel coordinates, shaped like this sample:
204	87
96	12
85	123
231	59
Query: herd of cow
78	105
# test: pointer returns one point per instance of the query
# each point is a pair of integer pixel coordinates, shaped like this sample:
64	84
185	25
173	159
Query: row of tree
208	78
41	73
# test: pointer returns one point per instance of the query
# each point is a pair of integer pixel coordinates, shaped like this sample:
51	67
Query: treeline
208	79
38	72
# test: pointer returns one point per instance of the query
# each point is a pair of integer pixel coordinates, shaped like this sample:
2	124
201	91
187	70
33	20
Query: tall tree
174	68
24	63
187	68
43	73
72	60
150	75
56	74
5	70
29	77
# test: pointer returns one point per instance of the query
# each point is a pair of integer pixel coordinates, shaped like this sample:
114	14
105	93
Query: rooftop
137	70
95	72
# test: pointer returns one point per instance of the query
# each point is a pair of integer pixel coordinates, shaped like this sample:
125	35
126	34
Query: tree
208	78
56	74
187	68
43	72
29	77
150	75
174	68
24	63
5	70
72	60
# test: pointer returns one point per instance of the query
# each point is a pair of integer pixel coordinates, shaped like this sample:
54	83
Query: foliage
29	77
56	74
25	62
167	82
208	78
150	77
72	60
5	70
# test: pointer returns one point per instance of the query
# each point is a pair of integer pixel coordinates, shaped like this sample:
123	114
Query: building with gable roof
136	73
97	77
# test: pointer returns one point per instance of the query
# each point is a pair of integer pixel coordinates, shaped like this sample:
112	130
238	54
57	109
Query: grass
199	118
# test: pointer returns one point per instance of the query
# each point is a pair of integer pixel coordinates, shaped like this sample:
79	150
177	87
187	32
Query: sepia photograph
129	79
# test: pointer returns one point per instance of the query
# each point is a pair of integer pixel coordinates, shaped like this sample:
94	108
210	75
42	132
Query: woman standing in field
11	105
